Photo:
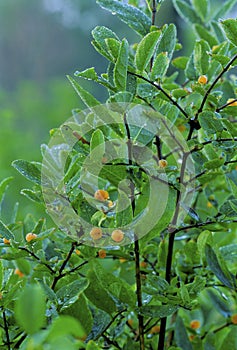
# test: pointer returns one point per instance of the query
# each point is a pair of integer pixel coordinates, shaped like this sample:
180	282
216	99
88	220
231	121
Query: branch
158	87
37	258
225	69
226	105
8	343
60	275
136	242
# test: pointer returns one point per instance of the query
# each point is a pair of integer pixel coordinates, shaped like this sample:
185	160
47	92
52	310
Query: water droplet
113	13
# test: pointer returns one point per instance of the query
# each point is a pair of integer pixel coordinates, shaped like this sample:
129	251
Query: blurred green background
40	42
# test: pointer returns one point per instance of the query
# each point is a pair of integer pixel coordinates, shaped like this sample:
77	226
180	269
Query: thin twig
226	105
60	275
158	87
8	343
37	258
225	69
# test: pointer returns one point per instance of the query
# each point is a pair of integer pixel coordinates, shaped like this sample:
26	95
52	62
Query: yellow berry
96	233
101	195
202	79
122	260
155	330
163	163
18	272
130	322
234	319
30	236
230	103
195	324
110	204
6	241
77	251
209	205
117	236
102	253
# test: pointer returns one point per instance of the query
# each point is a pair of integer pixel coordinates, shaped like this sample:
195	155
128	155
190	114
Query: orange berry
18	272
96	233
182	127
143	264
233	104
117	236
234	319
102	254
6	241
209	205
202	79
155	330
101	195
30	236
77	251
195	324
163	163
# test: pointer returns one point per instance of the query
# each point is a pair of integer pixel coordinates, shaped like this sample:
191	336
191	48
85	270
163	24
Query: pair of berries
117	235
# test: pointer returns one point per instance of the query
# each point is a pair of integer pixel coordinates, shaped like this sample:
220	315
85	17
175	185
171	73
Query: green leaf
133	17
218	267
89	74
205	34
121	65
1	274
145	50
97	143
230	340
65	325
224	9
91	345
167	41
190	70
180	62
210	123
113	47
100	322
201	57
214	163
202	8
3	186
80	311
204	238
181	335
32	195
27	169
88	99
5	232
157	311
97	294
120	289
230	28
186	12
69	293
30	309
100	34
220	304
160	66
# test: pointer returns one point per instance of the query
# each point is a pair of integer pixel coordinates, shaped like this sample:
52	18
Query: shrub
164	148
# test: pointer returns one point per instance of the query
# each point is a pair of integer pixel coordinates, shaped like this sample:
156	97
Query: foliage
175	286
